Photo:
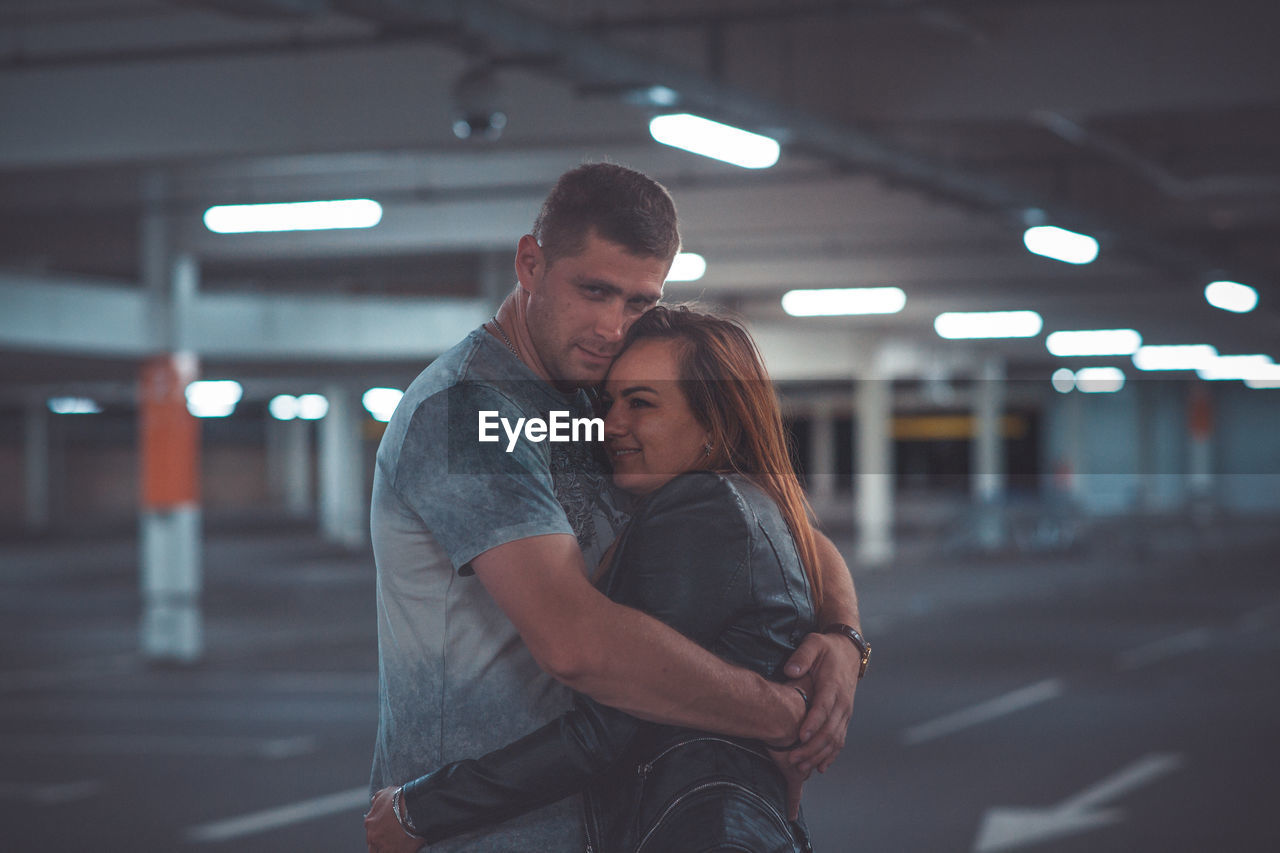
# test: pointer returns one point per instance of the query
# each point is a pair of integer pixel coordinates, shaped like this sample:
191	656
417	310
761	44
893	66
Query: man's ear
529	262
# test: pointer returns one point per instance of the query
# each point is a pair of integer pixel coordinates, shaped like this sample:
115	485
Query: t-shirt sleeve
474	495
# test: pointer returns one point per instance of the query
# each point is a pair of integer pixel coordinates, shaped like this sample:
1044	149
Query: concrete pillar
1200	462
1161	486
988	477
171	629
170	519
873	503
497	277
1074	441
289	466
35	452
822	455
344	507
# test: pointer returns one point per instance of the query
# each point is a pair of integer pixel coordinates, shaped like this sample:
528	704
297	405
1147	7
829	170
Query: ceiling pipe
268	9
601	66
1162	179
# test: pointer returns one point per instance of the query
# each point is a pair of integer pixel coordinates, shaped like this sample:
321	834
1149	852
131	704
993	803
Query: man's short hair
621	205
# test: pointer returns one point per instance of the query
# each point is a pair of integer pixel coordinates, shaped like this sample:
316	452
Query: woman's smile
650	431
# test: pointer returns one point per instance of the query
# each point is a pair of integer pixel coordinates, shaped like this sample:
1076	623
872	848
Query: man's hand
382	829
832	663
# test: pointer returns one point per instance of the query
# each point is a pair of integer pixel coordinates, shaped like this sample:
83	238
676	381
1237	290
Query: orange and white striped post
169	440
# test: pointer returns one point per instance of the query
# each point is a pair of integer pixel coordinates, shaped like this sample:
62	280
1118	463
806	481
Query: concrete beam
79	316
75	316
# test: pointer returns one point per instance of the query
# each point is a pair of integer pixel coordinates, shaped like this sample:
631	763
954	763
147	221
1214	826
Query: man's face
580	307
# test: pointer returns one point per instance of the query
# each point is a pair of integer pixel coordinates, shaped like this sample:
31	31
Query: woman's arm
551	763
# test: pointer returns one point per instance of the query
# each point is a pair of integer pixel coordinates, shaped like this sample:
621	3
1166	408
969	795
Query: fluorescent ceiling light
308	407
1100	380
283	407
1180	357
843	301
715	140
653	96
313	407
687	266
1231	296
1235	367
294	216
988	324
1060	244
1094	342
73	406
381	402
1063	380
213	398
1268	377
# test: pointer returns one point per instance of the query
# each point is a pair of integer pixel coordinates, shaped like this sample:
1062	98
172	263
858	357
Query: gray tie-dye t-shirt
455	680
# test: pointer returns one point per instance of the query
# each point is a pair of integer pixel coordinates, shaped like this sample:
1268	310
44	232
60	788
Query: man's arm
622	657
831	661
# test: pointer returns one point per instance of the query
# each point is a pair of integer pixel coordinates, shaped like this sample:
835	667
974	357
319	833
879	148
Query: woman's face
650	431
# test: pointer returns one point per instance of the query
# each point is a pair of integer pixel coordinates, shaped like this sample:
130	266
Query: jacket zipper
643	769
704	786
587	813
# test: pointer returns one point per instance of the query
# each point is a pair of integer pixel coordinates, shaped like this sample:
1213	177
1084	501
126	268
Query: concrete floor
1120	697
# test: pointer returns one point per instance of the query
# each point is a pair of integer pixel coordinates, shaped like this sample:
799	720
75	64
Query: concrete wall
1132	451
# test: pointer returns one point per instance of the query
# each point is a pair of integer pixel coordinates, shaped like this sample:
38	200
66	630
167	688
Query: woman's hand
382	830
795	781
791	772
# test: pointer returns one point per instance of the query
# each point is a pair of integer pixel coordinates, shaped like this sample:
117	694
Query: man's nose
611	324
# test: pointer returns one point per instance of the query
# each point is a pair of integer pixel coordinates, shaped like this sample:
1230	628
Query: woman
720	547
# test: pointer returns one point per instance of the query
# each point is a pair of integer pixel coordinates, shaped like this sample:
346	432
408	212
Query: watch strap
859	642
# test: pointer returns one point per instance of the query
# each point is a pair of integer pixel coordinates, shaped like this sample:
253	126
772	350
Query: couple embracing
647	652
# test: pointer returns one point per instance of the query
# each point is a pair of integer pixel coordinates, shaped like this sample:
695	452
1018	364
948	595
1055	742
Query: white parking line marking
1259	618
49	795
268	819
1162	649
85	670
145	744
1017	700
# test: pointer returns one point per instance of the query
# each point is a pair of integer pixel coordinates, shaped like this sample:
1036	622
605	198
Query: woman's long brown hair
730	393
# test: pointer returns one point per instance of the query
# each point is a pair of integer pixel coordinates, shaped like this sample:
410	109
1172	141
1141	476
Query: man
486	614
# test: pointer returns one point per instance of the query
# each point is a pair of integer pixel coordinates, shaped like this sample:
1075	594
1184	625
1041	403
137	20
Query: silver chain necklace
505	339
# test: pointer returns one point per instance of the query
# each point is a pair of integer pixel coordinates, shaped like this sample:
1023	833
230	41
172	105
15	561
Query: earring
706	447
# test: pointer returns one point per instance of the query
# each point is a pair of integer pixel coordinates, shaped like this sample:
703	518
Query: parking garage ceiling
918	139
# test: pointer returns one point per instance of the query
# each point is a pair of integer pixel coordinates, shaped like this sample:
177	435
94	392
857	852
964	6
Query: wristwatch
855	637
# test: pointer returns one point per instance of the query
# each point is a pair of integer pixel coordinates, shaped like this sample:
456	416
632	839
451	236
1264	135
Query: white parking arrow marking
353	800
1163	649
1009	828
1009	703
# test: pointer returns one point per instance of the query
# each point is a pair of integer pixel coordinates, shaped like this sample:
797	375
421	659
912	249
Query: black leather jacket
711	556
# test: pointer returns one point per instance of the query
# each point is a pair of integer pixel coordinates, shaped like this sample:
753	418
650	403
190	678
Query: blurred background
1013	265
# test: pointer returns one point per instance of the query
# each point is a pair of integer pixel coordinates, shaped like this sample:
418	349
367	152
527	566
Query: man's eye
593	290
